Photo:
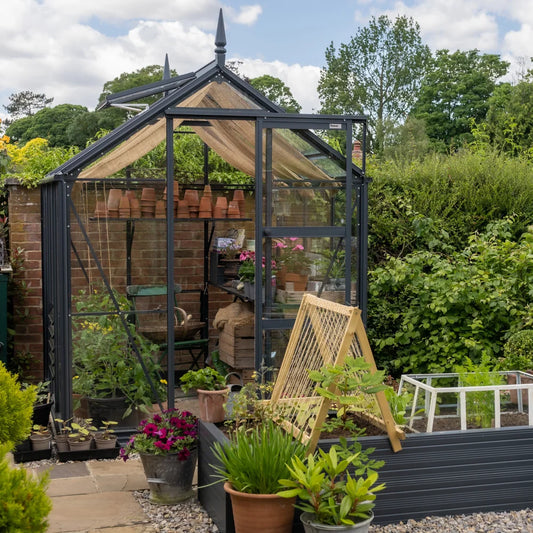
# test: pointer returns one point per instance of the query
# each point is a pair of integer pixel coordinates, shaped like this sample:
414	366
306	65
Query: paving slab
91	512
72	486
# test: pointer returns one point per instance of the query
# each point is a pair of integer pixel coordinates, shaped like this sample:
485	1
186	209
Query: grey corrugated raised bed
441	473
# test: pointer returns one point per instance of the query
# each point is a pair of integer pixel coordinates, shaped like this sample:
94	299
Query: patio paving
97	496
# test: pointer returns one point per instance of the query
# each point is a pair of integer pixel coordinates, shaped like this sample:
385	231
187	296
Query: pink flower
184	454
150	429
298	247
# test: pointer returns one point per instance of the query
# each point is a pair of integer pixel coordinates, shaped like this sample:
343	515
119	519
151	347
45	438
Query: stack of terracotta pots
101	209
221	207
148	202
233	209
191	195
113	202
176	196
124	207
160	209
183	209
238	196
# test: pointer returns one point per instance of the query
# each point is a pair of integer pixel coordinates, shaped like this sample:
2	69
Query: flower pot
104	444
310	526
108	409
295	282
40	442
211	404
78	445
62	443
41	414
261	513
169	479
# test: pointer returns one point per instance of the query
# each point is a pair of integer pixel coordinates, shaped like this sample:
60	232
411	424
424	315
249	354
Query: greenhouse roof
298	154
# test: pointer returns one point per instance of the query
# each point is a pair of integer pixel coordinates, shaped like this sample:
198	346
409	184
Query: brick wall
108	238
25	234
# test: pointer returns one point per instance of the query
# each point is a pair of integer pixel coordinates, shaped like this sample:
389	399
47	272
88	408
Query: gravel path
190	517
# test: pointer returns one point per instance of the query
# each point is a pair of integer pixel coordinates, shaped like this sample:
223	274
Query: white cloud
301	80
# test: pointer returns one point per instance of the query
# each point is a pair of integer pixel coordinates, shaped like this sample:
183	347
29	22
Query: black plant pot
41	414
101	409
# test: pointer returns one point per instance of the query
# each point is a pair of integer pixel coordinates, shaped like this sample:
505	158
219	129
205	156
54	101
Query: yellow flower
163	381
76	377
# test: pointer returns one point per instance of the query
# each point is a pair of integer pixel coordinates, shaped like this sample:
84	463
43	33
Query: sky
68	49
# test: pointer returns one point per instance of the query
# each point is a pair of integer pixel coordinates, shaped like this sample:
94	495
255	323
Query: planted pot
311	526
79	445
105	443
101	409
40	442
169	479
62	443
211	404
261	513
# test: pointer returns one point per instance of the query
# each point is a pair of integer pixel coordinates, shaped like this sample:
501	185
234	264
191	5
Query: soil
439	424
454	423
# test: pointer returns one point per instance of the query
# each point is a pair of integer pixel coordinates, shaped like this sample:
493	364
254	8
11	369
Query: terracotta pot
205	206
211	404
124	210
299	281
261	513
148	193
160	209
233	210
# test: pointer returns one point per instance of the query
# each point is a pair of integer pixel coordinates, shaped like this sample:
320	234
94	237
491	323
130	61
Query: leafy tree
26	103
454	91
510	117
85	126
50	123
276	91
377	73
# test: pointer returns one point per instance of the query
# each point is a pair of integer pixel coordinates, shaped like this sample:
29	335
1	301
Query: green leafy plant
108	431
82	430
172	431
518	352
346	386
479	404
247	267
25	505
16	408
325	487
256	459
206	378
64	426
399	403
105	364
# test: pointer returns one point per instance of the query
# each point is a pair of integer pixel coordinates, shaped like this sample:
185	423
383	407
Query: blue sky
68	49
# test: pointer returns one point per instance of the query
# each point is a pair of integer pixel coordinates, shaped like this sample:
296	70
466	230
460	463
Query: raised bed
441	473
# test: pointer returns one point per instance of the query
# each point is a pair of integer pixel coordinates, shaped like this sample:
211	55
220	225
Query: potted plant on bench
212	392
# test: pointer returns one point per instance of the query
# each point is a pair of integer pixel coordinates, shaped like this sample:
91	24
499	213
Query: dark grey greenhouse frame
57	204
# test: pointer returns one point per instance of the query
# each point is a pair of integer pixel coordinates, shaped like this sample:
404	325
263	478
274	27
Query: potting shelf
424	382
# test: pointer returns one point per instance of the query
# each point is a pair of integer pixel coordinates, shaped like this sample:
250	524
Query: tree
50	123
377	73
510	117
276	91
26	103
454	92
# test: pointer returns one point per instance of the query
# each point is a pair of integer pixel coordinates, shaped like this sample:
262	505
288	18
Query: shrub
518	351
16	409
429	311
24	503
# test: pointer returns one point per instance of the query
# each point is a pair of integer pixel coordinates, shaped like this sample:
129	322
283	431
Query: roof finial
220	41
166	69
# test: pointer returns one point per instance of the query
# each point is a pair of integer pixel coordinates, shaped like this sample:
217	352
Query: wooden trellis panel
324	333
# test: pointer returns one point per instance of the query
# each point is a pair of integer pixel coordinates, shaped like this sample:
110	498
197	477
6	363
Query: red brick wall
108	237
25	234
